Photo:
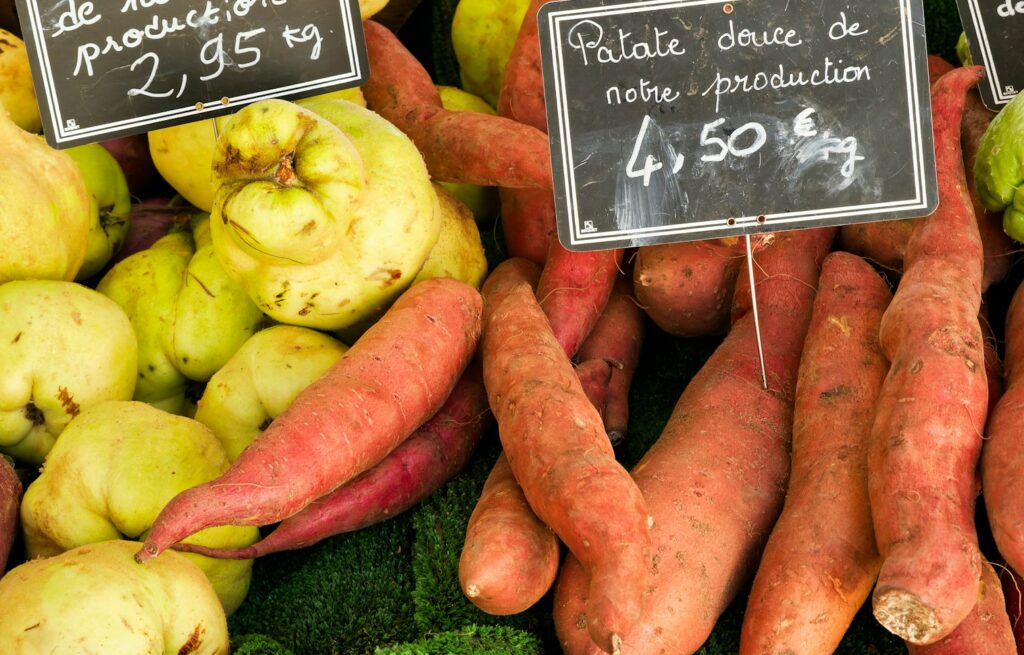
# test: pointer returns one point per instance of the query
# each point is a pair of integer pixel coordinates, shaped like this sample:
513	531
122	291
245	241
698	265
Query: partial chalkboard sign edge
59	135
992	94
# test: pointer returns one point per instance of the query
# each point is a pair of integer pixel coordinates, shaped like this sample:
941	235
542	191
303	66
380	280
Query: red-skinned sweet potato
821	560
926	437
557	449
463	147
686	288
1013	590
985	631
573	289
10	500
527	215
395	377
1002	462
510	558
885	242
616	339
432	456
715	479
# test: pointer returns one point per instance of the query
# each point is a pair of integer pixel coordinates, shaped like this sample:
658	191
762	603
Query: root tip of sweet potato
147	552
903	614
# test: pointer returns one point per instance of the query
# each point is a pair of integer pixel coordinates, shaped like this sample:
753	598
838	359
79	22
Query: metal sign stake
757	320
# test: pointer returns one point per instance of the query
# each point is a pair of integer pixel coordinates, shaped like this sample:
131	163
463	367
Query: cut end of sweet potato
472	590
904	615
616	645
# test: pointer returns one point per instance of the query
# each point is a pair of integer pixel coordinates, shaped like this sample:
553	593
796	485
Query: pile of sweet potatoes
851	472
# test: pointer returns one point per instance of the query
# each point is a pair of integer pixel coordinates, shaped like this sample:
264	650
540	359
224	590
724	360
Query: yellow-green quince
183	154
112	471
324	212
63	349
261	380
483	35
999	167
97	599
110	201
45	210
190	317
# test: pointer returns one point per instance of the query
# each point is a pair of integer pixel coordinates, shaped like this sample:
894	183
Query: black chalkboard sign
994	31
676	120
106	68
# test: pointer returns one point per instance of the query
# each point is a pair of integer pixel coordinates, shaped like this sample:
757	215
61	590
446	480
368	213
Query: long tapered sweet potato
885	242
464	147
527	215
616	338
506	562
985	631
1002	461
821	560
510	558
715	479
686	288
10	499
395	377
926	437
557	448
432	456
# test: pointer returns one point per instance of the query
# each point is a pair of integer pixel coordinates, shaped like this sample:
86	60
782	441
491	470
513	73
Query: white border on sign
568	165
992	76
61	135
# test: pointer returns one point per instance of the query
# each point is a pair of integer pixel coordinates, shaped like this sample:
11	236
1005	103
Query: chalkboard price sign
994	29
106	68
675	120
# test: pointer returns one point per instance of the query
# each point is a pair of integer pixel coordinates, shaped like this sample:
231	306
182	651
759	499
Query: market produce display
323	380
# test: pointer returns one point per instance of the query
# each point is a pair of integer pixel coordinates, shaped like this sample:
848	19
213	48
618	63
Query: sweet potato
510	558
821	561
686	288
573	289
432	456
715	479
937	67
463	147
527	215
1013	589
559	453
1002	460
528	222
616	338
926	437
506	563
985	631
10	499
885	242
395	377
522	88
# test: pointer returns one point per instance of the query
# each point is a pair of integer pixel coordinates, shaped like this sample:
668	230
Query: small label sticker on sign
676	120
116	67
994	29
